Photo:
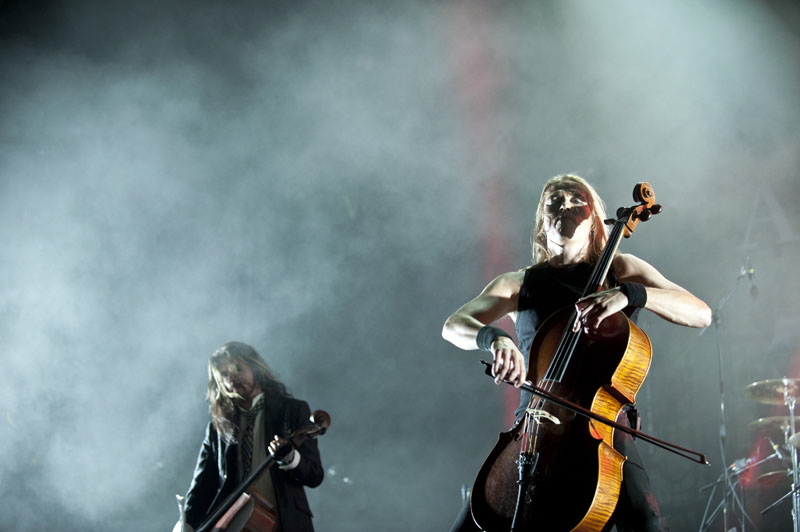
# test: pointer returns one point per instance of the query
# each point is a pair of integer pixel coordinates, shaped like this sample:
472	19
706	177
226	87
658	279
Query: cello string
569	340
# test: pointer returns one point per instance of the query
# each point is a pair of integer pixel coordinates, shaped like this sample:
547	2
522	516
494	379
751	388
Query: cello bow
528	386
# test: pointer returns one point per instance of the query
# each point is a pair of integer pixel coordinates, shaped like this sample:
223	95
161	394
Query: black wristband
635	292
487	335
287	458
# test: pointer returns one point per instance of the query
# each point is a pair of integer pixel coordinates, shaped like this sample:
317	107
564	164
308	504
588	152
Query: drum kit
784	392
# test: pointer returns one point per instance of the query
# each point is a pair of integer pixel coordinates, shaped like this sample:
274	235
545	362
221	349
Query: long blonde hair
222	403
598	235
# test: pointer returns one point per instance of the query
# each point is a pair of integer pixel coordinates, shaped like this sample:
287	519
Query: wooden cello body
251	512
556	471
579	467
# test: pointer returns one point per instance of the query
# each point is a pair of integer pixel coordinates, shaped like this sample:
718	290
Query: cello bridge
538	414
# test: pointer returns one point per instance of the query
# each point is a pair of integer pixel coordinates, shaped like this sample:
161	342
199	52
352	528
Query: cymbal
773	391
774	478
775	422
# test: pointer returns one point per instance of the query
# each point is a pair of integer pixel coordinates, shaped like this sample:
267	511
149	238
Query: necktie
247	438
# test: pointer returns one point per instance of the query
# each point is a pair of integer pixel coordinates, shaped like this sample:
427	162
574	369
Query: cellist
568	238
251	415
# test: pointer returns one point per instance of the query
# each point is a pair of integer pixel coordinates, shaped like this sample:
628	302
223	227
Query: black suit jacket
215	472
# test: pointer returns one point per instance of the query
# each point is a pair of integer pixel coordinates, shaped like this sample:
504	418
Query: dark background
328	181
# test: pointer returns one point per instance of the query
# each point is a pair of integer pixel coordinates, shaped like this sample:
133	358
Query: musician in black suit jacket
252	414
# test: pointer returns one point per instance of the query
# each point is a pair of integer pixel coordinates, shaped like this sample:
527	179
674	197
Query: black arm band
635	292
487	335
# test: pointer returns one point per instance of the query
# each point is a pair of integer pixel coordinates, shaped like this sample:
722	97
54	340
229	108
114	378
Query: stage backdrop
328	181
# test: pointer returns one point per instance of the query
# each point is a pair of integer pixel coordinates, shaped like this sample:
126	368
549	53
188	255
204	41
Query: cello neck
624	225
603	265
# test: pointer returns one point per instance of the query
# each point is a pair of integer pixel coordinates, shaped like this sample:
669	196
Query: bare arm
498	299
664	298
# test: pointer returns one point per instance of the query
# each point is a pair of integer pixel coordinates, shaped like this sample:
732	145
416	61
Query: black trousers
637	508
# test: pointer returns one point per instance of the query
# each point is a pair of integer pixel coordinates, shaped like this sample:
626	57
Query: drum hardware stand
737	468
774	504
790	401
783	391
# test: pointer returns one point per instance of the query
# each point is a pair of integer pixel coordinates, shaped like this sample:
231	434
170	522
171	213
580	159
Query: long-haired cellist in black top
252	413
568	238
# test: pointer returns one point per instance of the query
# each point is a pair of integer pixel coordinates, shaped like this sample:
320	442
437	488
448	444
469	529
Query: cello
554	470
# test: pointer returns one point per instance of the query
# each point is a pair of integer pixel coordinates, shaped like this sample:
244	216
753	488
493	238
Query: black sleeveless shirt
545	290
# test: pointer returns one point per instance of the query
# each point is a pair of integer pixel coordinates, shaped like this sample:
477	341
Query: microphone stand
728	487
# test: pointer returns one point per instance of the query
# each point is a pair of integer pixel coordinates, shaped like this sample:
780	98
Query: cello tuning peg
644	216
655	209
620	212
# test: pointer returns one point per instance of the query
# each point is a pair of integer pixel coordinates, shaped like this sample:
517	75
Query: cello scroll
646	206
